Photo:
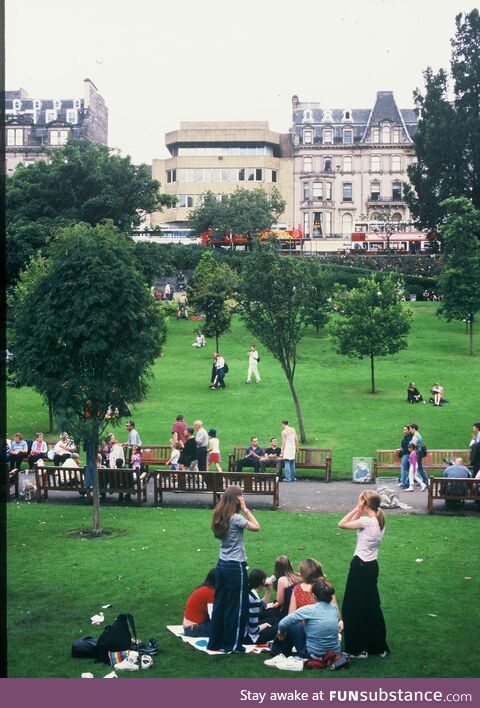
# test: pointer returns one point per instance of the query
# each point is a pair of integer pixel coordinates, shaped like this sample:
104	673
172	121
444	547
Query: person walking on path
230	605
417	440
133	441
289	450
253	359
201	439
364	625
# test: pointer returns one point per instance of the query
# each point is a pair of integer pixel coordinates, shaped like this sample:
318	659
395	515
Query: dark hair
179	417
476	425
190	430
225	509
323	591
210	579
284	422
414	426
139	449
256	578
310	570
130	422
119	463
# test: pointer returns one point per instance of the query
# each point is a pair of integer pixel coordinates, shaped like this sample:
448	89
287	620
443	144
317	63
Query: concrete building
34	124
349	168
219	157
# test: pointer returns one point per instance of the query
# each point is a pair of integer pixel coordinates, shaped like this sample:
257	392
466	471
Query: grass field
56	583
338	409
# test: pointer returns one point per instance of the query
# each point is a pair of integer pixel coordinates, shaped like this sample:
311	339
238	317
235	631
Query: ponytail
372	500
380	518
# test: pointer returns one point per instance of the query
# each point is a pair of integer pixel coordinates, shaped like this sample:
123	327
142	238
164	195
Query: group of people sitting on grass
437	397
234	607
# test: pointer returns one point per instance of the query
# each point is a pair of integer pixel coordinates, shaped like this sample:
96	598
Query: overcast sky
159	62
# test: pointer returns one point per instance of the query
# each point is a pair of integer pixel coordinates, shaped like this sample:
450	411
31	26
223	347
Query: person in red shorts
196	620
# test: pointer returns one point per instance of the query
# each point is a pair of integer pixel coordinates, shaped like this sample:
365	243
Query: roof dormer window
327	114
347	115
307	116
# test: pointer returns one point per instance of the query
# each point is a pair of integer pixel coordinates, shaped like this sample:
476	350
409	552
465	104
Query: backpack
423	451
225	368
116	637
84	648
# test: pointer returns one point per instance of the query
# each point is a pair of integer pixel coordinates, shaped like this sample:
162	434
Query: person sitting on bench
253	455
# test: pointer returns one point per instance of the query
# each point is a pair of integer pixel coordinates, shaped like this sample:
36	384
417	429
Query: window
327	164
221	175
274	175
241	175
347	115
386	134
50	115
328	223
347	224
72	115
374	191
327	114
307	115
171	176
317	224
347	137
14	136
17	104
202	175
186	201
57	104
397	190
375	163
306	191
306	224
396	216
58	137
396	135
37	104
308	136
317	191
347	192
328	136
77	103
186	176
307	164
375	135
396	163
347	164
328	191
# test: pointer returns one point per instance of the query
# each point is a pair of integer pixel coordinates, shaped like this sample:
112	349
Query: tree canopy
459	280
99	329
447	141
81	182
371	320
244	211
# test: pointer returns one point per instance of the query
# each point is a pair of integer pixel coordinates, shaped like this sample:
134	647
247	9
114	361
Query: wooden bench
307	458
391	460
155	455
59	479
214	483
452	490
122	480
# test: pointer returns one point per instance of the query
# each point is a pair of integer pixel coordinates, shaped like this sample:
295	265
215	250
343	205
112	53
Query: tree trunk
216	342
298	410
91	476
372	370
471	335
51	420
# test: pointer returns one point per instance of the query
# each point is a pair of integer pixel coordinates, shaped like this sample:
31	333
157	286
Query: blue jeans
289	470
421	471
198	630
404	471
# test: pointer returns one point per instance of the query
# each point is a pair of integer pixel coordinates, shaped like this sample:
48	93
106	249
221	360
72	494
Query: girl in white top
214	449
365	631
289	450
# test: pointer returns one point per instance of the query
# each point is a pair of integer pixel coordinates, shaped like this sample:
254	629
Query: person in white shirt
253	359
199	342
364	625
214	449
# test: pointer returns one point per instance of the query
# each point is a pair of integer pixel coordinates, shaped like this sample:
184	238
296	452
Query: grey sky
157	63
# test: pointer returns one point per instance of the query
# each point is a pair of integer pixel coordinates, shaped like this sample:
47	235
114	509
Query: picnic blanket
200	643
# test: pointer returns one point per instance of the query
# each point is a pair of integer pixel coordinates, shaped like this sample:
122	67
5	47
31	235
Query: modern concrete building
34	124
219	157
349	167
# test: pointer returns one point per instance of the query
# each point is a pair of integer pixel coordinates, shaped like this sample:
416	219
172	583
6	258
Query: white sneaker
146	661
293	663
363	654
423	487
87	675
275	660
410	489
130	663
112	674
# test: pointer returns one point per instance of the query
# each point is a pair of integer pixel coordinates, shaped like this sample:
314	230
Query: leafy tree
272	307
245	211
447	141
211	285
459	279
82	181
99	330
371	320
318	290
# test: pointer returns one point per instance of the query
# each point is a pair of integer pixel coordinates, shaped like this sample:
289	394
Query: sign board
362	470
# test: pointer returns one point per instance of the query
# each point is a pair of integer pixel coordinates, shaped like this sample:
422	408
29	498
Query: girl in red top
196	620
311	571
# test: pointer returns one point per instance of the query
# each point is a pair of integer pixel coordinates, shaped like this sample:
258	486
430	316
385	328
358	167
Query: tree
459	280
272	307
447	141
83	182
371	320
318	284
211	285
245	211
100	330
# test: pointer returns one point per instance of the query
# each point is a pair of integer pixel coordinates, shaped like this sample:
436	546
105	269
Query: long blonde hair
283	567
372	500
225	509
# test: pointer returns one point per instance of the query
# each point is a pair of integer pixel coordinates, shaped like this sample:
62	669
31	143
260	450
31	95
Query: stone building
350	165
219	157
34	124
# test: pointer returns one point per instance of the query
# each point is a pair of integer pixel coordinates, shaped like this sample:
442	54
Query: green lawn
339	411
56	583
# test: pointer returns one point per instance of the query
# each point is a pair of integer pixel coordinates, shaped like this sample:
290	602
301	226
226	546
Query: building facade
350	165
33	125
219	157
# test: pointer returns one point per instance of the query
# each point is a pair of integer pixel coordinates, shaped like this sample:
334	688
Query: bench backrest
306	456
155	453
435	458
386	457
60	477
453	488
118	477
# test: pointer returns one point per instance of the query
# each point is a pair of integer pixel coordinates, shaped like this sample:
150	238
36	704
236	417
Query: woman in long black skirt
364	626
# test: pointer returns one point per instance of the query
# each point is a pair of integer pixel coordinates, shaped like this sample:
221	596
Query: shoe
112	674
423	487
87	675
409	489
130	663
248	382
362	655
151	647
384	654
293	663
275	660
146	661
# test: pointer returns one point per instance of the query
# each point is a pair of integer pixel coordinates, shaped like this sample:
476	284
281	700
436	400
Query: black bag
225	368
343	662
84	648
423	451
116	637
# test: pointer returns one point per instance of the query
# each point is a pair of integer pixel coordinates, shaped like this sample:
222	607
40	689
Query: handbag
423	451
84	648
116	637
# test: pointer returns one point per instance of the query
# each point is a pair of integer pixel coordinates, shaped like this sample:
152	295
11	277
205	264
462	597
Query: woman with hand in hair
230	606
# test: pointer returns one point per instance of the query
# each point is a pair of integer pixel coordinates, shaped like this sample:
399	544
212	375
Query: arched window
386	134
307	116
327	114
396	216
347	224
